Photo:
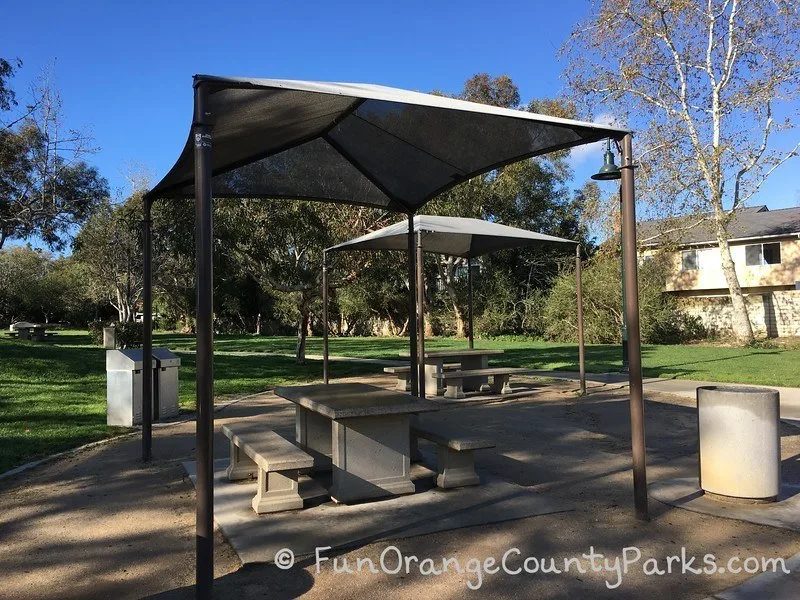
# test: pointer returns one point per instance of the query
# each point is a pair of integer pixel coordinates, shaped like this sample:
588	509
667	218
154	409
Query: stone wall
774	314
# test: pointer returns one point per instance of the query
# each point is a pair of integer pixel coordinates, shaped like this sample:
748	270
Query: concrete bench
455	447
404	375
256	449
454	380
12	334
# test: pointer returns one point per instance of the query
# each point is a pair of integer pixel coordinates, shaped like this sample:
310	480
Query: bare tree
707	85
46	187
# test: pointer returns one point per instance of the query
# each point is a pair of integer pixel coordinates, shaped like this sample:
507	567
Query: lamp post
610	172
630	298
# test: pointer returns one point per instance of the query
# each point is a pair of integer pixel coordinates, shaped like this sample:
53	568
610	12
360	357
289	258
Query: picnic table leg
474	384
313	434
413	440
433	367
371	458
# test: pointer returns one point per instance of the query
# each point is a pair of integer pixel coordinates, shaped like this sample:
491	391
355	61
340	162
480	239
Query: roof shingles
751	222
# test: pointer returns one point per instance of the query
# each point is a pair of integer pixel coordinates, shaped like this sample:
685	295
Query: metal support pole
634	343
204	568
420	318
325	371
624	330
581	348
471	321
412	307
147	331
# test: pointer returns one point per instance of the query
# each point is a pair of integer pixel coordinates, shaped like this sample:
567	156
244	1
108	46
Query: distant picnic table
32	333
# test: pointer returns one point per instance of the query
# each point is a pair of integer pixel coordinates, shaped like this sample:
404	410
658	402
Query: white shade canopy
453	236
360	144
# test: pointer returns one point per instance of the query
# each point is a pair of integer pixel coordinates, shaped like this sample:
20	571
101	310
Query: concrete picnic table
36	333
361	430
470	358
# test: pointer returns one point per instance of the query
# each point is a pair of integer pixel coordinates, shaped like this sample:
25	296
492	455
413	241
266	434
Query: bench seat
257	450
455	447
403	374
454	380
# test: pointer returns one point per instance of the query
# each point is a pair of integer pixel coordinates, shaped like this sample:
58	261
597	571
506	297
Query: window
772	253
762	254
689	260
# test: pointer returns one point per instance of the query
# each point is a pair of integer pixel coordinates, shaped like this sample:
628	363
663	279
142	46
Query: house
765	246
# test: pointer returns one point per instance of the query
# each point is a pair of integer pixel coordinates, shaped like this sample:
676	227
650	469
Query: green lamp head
609	171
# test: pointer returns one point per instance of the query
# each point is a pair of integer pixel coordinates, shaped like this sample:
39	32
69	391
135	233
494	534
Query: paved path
790	397
100	524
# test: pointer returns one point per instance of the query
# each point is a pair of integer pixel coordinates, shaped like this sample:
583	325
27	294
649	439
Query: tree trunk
461	326
740	320
258	324
302	331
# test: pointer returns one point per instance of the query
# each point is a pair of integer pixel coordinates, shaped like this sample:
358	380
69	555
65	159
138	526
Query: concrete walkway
100	524
790	397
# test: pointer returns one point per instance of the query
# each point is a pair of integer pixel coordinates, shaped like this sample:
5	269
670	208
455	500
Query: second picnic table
362	431
470	358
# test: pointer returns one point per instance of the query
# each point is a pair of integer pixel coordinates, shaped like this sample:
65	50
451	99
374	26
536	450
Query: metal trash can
124	387
165	383
740	447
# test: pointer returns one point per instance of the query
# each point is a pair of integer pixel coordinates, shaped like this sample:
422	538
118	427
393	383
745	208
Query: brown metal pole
420	318
147	332
581	348
204	567
325	317
471	320
412	307
631	289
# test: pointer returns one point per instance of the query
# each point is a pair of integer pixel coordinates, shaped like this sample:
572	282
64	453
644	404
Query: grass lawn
767	366
52	395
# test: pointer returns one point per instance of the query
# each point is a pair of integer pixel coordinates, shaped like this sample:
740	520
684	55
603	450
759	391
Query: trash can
165	383
124	387
740	448
109	338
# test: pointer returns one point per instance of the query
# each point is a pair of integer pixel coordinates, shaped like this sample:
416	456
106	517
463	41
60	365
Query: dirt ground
100	524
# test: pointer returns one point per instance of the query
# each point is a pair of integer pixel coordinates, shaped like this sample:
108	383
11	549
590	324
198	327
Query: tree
530	194
109	246
707	85
35	286
46	188
279	243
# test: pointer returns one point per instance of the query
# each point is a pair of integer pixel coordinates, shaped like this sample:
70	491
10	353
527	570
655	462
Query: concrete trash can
109	338
124	387
165	383
740	448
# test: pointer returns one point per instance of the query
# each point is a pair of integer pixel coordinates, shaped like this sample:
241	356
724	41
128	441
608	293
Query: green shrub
127	335
96	332
660	320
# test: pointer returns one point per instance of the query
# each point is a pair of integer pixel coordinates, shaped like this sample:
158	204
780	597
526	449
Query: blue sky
124	68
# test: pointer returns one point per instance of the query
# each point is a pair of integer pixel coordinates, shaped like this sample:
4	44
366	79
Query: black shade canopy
359	144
